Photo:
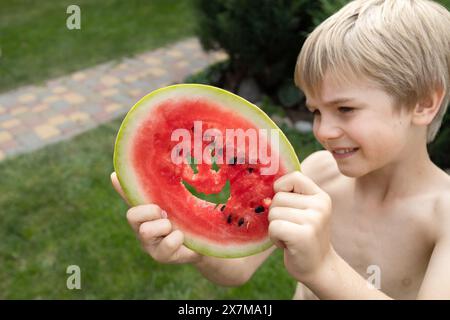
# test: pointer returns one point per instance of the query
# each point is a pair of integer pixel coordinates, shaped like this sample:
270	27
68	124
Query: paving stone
30	140
46	131
61	105
26	98
33	116
74	98
5	136
10	147
8	124
19	110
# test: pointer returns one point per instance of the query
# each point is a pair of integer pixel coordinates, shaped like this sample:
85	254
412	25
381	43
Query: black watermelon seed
259	209
229	218
222	208
241	222
250	170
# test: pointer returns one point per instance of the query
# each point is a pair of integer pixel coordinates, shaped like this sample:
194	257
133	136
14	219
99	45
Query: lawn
59	209
35	43
57	205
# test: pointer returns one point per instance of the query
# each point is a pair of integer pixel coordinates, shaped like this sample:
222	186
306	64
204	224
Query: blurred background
69	74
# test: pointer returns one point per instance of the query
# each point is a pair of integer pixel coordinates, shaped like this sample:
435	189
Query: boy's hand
299	219
155	232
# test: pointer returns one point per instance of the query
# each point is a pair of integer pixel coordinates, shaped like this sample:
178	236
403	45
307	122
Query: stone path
34	116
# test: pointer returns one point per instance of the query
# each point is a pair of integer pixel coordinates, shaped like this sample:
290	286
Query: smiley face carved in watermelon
185	140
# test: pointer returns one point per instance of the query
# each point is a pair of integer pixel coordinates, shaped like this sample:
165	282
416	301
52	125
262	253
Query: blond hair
403	46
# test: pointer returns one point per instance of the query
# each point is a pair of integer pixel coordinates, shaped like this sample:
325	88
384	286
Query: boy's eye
345	109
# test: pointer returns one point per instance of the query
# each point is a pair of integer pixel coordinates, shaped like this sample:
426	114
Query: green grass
57	205
59	209
36	45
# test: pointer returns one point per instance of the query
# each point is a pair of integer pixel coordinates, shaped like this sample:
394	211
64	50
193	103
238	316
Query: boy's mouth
340	153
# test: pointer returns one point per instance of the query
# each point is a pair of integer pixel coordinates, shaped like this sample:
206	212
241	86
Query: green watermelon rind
227	99
224	251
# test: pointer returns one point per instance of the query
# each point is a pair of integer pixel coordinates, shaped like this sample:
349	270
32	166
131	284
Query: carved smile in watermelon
154	167
238	143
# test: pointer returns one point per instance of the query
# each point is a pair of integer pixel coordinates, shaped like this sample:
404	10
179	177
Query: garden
58	208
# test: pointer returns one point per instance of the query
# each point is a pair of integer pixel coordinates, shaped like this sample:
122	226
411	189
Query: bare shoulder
321	167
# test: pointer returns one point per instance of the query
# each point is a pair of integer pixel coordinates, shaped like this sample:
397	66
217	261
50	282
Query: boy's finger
140	214
116	184
152	232
293	200
296	216
296	182
186	255
281	230
172	247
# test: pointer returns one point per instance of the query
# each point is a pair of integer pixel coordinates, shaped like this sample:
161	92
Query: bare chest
389	247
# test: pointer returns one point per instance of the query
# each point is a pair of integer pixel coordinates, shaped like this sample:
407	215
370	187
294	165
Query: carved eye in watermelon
183	141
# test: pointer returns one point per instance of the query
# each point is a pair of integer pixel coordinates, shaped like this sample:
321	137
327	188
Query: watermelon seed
241	222
259	209
223	208
229	218
250	170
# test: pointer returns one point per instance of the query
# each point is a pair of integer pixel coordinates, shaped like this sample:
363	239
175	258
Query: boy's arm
436	284
231	272
335	279
310	258
299	219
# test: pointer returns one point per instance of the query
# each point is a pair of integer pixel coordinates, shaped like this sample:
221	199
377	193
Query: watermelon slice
187	140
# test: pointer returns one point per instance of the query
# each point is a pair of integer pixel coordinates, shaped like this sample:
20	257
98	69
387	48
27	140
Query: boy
377	77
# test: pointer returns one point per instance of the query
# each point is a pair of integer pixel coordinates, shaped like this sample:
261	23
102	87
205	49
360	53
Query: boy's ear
426	109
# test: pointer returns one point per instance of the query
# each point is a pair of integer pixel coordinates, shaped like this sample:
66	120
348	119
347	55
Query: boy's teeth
342	151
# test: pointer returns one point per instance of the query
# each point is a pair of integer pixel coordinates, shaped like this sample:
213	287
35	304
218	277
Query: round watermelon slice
209	159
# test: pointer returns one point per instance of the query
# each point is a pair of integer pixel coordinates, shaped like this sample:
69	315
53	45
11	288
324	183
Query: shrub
262	38
440	148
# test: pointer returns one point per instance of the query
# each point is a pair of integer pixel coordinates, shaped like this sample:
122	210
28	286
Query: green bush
262	38
440	148
327	8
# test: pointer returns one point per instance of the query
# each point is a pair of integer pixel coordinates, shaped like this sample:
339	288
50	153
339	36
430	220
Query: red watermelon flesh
237	227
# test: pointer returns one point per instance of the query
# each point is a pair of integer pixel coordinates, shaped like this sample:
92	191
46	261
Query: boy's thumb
116	184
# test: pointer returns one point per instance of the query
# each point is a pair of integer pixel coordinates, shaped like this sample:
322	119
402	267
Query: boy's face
362	128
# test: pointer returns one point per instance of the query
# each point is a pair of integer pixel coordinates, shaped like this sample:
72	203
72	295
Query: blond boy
377	77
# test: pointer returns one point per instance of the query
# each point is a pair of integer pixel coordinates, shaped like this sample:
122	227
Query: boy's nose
326	130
